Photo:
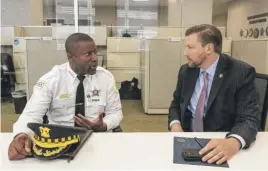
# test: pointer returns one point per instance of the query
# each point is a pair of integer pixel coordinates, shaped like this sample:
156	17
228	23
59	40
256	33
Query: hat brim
49	153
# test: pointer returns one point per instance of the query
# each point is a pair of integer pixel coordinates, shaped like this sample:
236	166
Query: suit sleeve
174	109
247	108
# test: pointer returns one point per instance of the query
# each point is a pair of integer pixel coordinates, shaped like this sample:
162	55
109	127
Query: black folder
182	142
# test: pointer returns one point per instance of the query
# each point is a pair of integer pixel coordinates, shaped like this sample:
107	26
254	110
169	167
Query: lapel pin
221	75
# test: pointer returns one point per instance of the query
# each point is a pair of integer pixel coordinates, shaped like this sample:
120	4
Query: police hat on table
53	141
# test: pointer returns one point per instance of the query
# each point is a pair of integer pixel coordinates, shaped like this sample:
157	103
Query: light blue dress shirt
199	85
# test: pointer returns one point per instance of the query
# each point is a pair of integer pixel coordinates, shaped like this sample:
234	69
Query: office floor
134	118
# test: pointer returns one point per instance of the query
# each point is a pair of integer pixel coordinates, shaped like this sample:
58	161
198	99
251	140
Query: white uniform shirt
55	94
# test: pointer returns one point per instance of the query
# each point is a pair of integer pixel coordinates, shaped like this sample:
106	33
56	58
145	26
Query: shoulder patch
114	86
101	69
40	84
110	75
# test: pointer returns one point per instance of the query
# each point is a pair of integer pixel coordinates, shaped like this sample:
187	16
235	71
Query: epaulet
109	74
101	69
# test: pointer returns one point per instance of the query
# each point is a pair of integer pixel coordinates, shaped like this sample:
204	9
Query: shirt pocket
63	110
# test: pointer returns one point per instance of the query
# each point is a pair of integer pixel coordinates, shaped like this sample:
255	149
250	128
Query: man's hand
97	125
20	147
220	150
176	127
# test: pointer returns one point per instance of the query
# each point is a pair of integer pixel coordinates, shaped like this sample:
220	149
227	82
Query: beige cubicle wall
254	52
162	32
19	60
160	63
37	31
32	31
42	56
32	59
9	32
98	33
123	59
169	32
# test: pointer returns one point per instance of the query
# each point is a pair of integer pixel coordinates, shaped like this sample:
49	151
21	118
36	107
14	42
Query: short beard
194	65
92	70
77	70
197	65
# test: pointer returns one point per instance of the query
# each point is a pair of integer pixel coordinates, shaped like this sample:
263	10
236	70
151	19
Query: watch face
256	33
241	33
250	33
262	31
267	31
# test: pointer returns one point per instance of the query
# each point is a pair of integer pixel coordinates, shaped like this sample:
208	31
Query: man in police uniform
76	93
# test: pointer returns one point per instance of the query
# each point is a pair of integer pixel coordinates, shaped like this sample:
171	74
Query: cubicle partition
42	56
160	63
254	52
123	59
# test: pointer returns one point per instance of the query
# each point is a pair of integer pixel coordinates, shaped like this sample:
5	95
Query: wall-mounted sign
250	33
262	31
241	33
256	33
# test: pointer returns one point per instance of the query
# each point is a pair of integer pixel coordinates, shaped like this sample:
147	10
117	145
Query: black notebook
182	142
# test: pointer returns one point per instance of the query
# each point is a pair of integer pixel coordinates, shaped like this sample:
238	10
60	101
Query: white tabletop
136	151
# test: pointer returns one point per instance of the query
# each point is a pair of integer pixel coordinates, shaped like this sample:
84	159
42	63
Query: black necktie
80	97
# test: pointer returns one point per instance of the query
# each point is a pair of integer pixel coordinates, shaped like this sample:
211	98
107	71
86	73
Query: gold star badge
95	92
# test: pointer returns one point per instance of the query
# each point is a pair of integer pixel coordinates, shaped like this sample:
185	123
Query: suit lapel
219	76
189	85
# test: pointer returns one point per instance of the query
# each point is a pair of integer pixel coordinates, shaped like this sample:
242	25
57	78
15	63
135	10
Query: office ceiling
219	6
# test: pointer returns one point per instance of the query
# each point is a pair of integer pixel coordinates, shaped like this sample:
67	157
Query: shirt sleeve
239	138
113	110
37	105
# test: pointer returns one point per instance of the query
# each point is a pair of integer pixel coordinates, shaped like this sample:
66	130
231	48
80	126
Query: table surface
136	151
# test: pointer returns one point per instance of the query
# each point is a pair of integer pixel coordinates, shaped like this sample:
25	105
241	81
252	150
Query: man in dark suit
215	92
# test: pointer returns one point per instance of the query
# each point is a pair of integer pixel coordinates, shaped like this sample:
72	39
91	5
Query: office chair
261	82
117	129
7	75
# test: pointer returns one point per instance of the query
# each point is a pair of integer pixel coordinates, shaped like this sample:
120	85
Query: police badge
95	92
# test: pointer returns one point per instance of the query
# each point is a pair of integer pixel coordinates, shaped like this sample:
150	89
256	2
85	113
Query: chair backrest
261	82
